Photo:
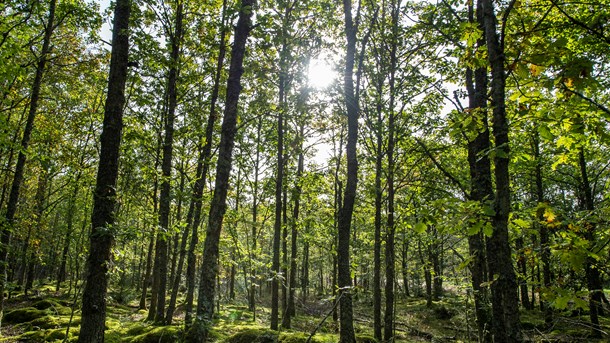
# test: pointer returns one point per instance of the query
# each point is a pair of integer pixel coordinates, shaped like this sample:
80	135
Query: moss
163	334
45	304
23	315
56	334
365	339
32	336
254	336
296	337
46	322
137	329
113	337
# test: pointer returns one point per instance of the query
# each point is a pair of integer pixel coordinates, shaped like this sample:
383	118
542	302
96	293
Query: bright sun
320	74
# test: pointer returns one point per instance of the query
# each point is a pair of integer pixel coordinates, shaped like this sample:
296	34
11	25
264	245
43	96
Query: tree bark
209	269
505	306
346	330
104	196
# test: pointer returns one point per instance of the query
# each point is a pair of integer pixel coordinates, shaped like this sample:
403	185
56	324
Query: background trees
439	91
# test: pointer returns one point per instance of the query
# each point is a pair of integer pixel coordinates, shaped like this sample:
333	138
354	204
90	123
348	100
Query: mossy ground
50	318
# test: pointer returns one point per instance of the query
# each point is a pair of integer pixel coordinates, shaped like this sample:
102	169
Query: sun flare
320	74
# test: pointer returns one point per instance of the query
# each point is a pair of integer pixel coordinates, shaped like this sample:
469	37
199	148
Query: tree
11	206
161	246
209	269
505	307
104	197
347	207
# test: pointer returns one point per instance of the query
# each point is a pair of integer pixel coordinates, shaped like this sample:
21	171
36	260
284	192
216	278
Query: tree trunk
305	272
481	188
209	269
161	260
11	206
545	250
296	195
203	165
279	179
390	264
346	330
253	252
378	204
505	307
594	284
104	197
522	267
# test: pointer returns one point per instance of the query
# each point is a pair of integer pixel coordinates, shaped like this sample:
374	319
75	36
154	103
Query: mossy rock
45	304
296	337
163	334
137	329
365	339
24	315
46	322
113	337
32	336
254	336
57	334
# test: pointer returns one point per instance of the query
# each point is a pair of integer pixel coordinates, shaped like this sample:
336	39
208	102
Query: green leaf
420	227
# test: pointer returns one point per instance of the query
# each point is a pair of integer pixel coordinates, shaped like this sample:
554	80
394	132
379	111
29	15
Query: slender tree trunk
104	197
405	264
390	265
522	267
505	306
61	273
11	206
346	330
481	188
545	249
378	203
279	179
161	260
253	252
203	165
154	279
305	272
209	269
146	279
594	284
292	284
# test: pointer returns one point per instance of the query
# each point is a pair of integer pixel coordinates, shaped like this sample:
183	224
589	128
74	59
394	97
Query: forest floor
46	316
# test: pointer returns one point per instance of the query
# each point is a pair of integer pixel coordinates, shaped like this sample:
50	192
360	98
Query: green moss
23	315
365	339
137	329
296	337
32	336
45	304
254	336
46	322
56	334
113	337
163	334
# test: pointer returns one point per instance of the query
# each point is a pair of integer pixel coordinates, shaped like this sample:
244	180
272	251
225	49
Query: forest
304	171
